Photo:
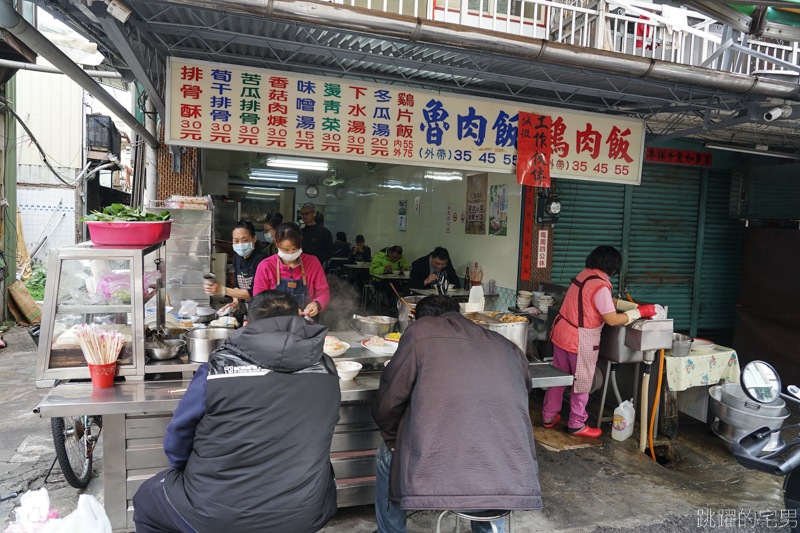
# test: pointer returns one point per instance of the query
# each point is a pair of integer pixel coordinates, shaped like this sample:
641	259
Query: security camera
119	11
778	112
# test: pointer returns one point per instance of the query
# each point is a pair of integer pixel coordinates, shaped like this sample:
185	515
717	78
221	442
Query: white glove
625	305
633	315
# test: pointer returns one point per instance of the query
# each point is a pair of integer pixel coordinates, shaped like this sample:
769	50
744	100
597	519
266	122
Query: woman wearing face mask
291	270
245	262
269	235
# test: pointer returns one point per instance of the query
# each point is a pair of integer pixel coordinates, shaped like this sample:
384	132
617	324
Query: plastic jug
624	418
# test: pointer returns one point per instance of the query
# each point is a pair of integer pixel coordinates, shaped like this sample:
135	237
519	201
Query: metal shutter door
592	215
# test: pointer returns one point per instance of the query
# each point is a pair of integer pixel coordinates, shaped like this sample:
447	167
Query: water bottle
624	418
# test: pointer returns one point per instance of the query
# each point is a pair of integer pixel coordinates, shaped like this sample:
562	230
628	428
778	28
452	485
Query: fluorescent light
443	176
264	174
300	164
396	184
751	151
262	191
259	178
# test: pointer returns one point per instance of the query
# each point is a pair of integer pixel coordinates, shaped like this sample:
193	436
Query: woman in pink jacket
292	271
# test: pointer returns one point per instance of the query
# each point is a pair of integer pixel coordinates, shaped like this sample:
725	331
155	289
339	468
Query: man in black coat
249	442
317	240
428	270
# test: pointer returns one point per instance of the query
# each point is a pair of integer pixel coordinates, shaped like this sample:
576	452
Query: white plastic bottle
624	418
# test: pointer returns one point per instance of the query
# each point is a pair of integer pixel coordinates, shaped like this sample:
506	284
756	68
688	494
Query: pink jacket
318	288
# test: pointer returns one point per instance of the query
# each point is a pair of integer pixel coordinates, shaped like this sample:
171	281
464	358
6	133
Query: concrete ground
601	489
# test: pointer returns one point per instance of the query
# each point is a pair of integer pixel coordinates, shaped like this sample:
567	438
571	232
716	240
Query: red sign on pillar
529	211
533	150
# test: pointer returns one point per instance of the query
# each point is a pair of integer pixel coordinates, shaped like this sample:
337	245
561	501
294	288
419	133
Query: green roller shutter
592	215
663	239
722	258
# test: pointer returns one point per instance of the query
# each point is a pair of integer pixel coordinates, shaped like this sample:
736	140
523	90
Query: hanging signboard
533	145
678	157
477	189
529	213
541	249
213	105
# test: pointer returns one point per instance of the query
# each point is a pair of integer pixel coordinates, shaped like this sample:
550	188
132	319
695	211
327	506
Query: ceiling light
263	191
264	174
750	151
300	164
443	176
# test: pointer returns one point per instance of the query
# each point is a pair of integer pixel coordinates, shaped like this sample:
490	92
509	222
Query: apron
588	344
298	291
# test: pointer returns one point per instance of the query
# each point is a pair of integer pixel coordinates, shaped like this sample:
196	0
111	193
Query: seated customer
360	252
452	407
341	251
385	262
249	443
427	271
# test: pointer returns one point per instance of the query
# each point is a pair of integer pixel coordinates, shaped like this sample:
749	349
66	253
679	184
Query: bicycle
74	438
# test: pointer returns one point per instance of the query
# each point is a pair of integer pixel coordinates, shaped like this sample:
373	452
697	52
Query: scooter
761	383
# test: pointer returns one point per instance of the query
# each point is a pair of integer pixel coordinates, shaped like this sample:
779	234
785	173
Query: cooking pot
201	342
369	328
681	344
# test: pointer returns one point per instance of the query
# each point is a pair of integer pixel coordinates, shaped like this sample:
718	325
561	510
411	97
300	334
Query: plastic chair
478	516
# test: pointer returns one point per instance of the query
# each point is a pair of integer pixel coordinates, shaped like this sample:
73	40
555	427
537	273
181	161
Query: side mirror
761	382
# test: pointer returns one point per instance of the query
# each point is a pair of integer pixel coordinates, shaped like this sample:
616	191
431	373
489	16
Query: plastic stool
478	516
367	295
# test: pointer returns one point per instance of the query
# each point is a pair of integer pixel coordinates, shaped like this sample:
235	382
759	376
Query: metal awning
157	30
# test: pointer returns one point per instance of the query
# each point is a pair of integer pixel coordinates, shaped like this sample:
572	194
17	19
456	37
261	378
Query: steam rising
344	304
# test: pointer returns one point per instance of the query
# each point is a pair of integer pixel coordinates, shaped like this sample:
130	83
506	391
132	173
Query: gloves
647	311
625	305
633	314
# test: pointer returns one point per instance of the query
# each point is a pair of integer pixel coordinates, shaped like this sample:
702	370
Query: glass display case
119	288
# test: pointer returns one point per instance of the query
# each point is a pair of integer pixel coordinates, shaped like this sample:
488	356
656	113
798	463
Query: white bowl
347	369
546	299
523	301
396	272
537	294
334	353
544	308
361	263
700	345
526	294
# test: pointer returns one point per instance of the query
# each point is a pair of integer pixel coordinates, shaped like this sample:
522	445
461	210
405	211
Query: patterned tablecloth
699	369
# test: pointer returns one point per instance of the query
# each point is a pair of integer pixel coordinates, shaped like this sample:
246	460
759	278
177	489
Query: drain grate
666	455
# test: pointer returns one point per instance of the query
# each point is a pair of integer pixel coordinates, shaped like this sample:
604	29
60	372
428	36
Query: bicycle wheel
72	449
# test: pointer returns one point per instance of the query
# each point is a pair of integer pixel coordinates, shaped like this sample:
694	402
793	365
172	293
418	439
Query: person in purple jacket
452	408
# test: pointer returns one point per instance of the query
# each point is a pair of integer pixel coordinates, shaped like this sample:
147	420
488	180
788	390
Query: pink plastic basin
129	233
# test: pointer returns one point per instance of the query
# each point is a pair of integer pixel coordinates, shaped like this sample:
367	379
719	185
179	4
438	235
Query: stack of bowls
524	299
535	298
545	302
737	415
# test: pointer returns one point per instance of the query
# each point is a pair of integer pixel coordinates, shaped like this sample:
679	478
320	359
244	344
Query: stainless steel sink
627	344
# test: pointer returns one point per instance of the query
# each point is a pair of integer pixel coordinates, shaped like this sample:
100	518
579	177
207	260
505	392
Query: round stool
478	516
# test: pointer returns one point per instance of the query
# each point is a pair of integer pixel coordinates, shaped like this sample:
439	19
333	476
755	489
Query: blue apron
297	290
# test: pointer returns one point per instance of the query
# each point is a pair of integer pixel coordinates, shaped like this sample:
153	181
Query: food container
734	396
205	315
174	349
347	370
375	325
681	345
201	342
129	233
516	332
741	419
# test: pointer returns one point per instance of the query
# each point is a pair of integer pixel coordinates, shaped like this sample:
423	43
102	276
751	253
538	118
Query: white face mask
268	237
290	257
244	249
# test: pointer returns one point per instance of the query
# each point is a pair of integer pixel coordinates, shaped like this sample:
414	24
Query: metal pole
698	253
19	65
151	156
14	23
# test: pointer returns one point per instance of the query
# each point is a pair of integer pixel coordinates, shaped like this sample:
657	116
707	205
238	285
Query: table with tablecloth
701	368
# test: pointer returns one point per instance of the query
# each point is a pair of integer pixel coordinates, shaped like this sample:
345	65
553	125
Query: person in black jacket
317	240
249	442
426	270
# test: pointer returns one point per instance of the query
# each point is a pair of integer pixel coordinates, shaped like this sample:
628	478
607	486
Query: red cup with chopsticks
103	375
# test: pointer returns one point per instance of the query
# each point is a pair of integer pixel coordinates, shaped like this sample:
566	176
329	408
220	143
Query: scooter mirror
761	382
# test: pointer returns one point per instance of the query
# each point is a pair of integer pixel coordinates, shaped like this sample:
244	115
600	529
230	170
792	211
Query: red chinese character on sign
191	91
405	99
559	146
278	82
277	121
357	110
277	108
360	91
278	95
404	113
191	73
404	131
589	141
356	126
190	111
618	148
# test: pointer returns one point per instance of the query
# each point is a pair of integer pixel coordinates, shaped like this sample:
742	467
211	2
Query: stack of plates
150	320
545	302
524	299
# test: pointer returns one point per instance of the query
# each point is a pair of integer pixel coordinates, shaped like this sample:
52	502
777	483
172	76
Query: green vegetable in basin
124	213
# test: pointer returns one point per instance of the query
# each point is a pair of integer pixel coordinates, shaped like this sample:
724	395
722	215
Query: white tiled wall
41	175
36	205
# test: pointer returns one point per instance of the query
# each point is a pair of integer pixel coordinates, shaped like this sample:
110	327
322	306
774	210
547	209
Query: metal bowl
155	352
206	315
746	420
202	342
369	328
734	396
681	345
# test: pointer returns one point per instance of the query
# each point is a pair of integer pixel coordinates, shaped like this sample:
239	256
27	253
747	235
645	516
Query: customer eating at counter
249	442
293	271
575	334
360	252
245	263
427	271
317	239
384	262
452	408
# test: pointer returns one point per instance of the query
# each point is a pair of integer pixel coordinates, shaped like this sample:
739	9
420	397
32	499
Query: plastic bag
150	277
33	514
111	282
188	308
89	517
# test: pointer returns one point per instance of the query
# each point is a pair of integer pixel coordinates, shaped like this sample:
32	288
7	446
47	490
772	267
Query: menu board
213	105
477	189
